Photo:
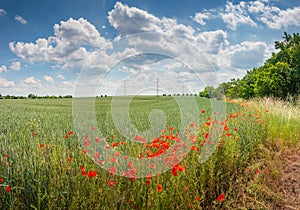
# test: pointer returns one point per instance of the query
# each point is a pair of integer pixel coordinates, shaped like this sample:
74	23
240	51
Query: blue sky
57	47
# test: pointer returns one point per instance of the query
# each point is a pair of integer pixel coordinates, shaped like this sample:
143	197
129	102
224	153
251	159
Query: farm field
46	164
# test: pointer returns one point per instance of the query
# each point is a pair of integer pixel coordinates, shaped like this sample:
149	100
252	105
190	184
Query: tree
207	92
279	76
32	96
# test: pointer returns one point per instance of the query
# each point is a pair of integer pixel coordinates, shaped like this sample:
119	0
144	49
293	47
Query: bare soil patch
289	181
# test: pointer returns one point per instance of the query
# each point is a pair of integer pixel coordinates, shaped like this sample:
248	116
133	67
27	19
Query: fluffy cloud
236	15
166	35
48	79
129	20
20	19
244	13
60	77
67	84
272	16
31	81
213	41
4	83
15	66
66	45
201	17
3	69
276	18
2	12
245	55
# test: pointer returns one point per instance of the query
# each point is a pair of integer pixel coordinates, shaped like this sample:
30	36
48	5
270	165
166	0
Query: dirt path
289	182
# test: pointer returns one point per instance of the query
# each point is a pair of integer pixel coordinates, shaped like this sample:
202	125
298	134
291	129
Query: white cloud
3	69
48	79
256	7
273	16
245	55
20	19
30	81
15	66
236	15
67	44
60	77
67	84
283	18
173	66
201	17
129	20
4	83
2	12
213	41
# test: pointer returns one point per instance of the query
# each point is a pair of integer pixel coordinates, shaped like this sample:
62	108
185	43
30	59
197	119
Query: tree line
278	77
33	96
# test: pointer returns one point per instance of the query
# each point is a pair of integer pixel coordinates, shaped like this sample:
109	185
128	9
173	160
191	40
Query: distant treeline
278	77
33	96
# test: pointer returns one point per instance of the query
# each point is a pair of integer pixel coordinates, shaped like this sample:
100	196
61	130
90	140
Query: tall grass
283	121
46	167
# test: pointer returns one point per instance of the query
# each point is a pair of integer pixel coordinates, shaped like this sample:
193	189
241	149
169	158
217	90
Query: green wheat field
46	165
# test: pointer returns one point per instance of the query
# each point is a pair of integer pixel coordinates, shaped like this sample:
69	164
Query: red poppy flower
221	197
152	165
8	189
181	168
41	145
148	176
174	171
112	170
67	136
159	188
1	180
198	198
70	159
113	159
71	133
202	111
92	174
111	183
115	144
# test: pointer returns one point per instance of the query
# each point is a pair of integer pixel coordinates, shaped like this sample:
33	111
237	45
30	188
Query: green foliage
279	77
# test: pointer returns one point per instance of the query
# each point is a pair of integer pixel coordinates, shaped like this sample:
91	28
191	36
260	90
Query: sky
135	47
